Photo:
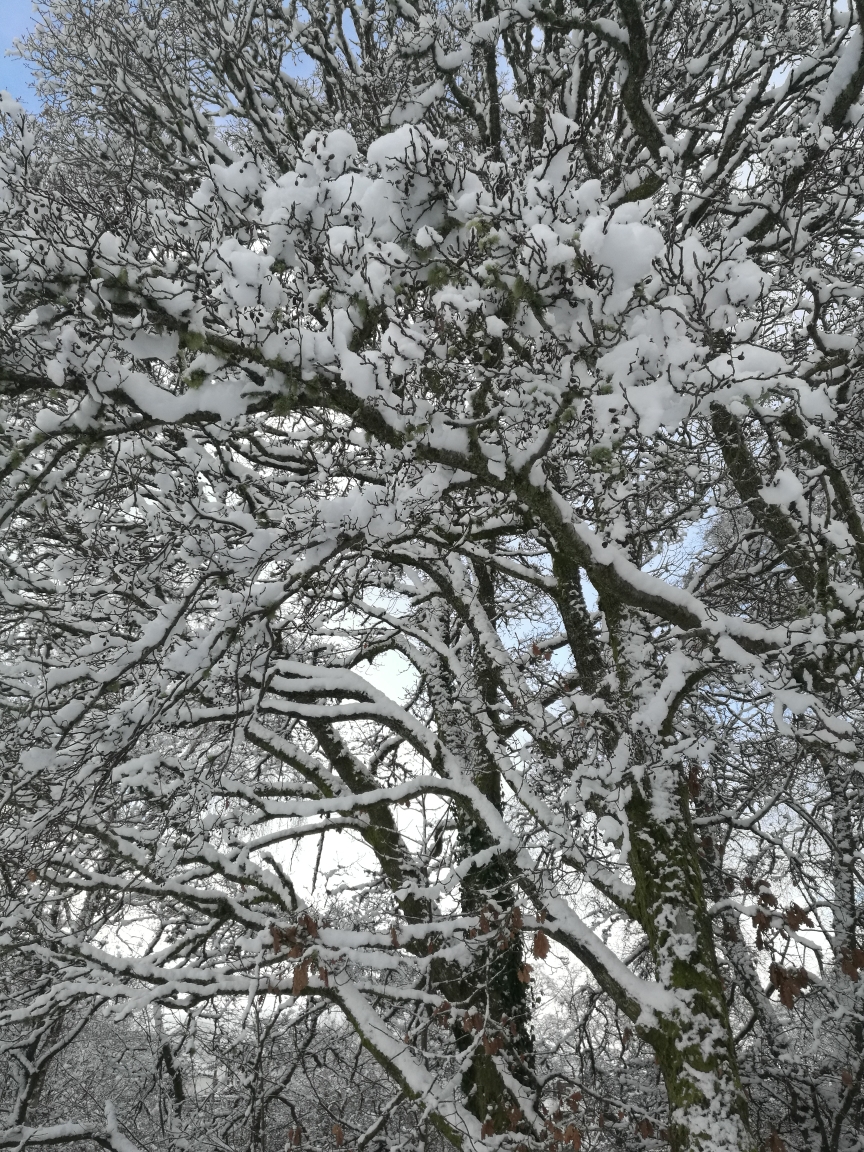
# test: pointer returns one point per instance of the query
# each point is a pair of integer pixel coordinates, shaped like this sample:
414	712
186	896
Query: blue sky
15	17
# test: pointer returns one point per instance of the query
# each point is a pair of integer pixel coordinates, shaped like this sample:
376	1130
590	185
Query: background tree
454	454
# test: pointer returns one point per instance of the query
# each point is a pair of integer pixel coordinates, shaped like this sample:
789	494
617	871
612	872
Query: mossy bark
494	989
693	1044
692	1040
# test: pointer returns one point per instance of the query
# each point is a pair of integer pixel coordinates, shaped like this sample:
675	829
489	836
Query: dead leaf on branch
789	983
541	945
851	961
761	921
301	979
441	1015
573	1136
694	784
309	924
796	917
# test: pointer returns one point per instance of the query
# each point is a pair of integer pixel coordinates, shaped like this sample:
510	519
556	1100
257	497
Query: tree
455	453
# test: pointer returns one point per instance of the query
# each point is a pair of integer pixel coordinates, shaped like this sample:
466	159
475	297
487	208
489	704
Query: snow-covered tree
432	435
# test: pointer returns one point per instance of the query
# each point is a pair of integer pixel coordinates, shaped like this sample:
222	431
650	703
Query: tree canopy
432	576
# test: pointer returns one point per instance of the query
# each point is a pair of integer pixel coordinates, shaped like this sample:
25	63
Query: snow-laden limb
109	1136
23	1137
456	458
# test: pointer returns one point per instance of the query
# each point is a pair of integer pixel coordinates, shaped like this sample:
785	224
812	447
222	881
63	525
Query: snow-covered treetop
436	427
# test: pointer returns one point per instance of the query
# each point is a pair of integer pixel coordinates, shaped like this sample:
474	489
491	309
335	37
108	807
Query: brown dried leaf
524	974
541	945
848	963
573	1136
694	785
301	979
338	1135
789	984
796	916
309	924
